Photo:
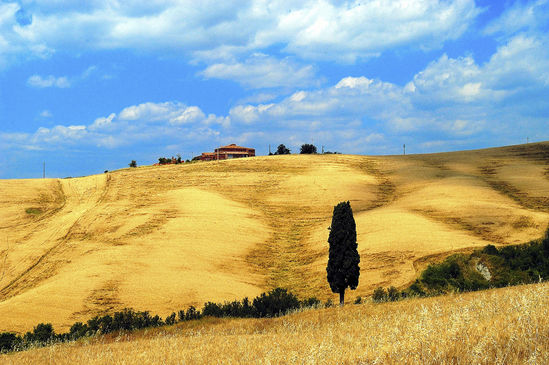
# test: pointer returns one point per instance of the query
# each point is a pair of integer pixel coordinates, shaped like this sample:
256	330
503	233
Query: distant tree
343	270
308	149
133	164
282	150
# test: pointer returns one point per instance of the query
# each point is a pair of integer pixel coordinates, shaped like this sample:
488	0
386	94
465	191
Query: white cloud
451	98
172	112
48	81
46	114
102	122
347	31
325	30
354	82
134	124
521	16
59	135
262	71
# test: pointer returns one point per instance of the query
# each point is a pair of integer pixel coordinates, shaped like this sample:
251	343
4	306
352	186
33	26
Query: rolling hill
161	238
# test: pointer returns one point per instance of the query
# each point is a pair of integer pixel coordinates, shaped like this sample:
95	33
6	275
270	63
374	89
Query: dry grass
163	238
504	326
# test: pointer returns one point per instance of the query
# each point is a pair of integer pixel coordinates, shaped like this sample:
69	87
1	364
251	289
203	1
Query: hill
501	326
165	237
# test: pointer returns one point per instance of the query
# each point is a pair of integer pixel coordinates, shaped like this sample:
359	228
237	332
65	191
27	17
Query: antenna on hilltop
404	149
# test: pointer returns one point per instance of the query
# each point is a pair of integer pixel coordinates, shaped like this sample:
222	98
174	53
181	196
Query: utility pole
404	149
322	149
269	150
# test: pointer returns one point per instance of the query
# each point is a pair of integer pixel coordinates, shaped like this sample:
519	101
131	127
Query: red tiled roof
233	153
232	145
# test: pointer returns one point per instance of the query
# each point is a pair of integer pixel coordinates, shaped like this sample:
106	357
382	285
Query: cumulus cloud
133	124
451	98
48	81
174	113
325	30
347	31
263	71
521	16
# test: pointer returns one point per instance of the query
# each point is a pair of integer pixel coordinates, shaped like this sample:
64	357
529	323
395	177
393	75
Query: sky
88	86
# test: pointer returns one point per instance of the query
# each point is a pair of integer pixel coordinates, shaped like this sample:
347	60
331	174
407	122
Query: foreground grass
503	326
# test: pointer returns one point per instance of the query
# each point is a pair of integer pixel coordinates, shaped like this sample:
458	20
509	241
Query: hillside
165	237
502	326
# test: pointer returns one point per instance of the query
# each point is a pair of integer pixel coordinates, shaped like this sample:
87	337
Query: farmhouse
228	152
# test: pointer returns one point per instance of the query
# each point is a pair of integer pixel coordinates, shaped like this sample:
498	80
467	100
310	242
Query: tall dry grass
503	326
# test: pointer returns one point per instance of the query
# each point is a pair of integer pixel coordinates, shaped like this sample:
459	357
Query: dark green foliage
212	309
393	294
78	330
282	150
278	301
308	149
133	164
380	295
192	313
438	276
43	332
490	250
343	259
170	319
8	341
416	290
310	302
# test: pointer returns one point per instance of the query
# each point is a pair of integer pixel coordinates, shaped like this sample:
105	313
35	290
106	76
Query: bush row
274	303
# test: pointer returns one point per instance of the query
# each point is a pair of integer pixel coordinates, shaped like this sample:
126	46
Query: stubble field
163	238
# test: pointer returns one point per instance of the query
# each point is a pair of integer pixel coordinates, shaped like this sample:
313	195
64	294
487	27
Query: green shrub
380	295
278	301
393	294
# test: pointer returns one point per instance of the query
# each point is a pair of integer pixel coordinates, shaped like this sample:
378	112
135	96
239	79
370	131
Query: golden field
503	326
161	238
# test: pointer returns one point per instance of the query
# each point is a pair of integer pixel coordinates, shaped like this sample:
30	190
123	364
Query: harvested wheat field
161	238
503	326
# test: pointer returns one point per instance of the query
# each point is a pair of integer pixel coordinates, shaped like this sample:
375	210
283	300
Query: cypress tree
343	270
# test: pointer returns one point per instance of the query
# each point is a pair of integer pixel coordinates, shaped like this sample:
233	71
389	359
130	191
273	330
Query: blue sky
90	86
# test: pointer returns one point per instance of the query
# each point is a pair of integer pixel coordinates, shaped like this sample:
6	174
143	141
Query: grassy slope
503	326
163	238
